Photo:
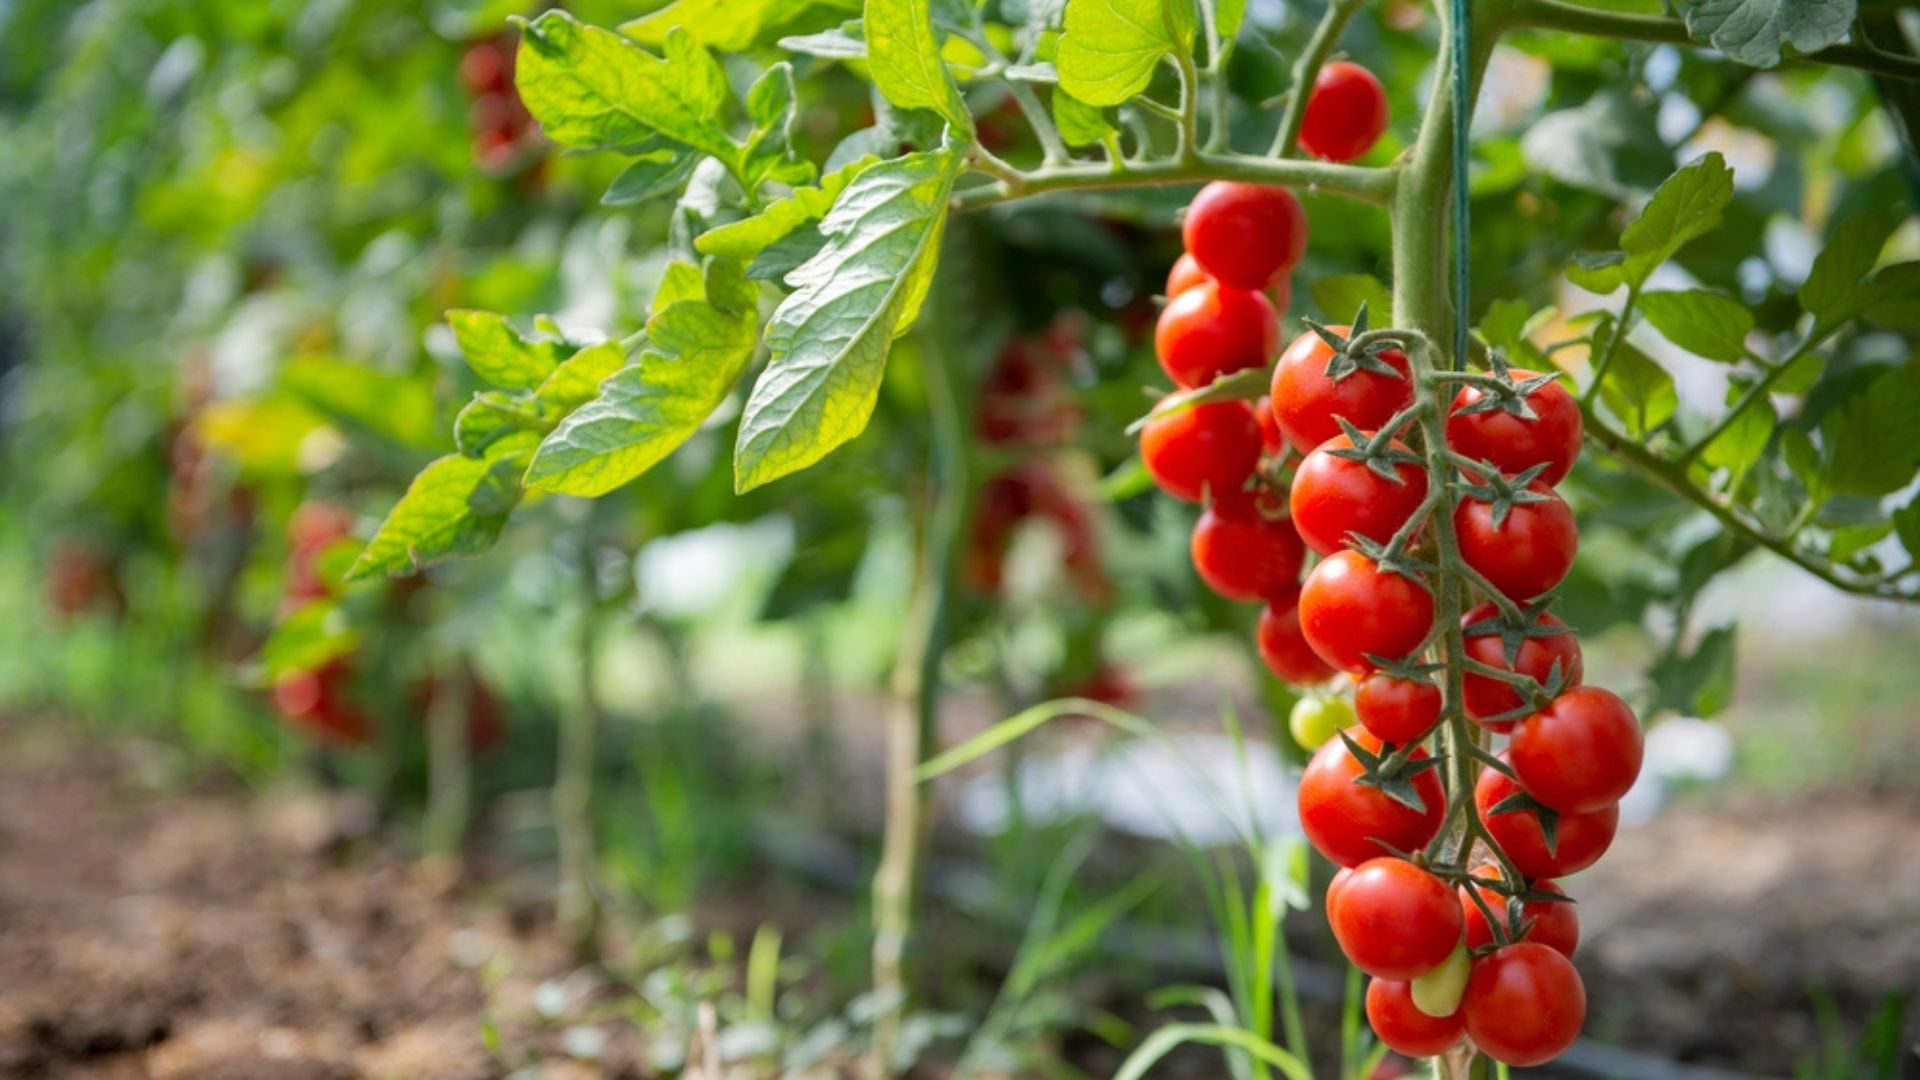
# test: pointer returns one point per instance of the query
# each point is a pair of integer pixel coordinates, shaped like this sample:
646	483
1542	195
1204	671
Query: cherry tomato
1553	923
1525	555
1201	449
319	702
1484	696
1579	754
1403	1027
1581	838
1396	920
1350	608
1271	441
1284	649
1514	444
1334	496
1346	112
1397	710
1211	330
1186	273
1524	1004
1315	719
1342	819
1245	234
1306	400
1338	882
487	68
1246	551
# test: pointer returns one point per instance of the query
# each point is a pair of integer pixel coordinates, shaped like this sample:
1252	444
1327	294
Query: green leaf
1637	390
1111	47
1806	462
494	414
1738	447
904	57
699	343
1227	17
1704	323
592	89
747	237
737	25
394	407
497	353
1869	437
1688	205
1697	683
1080	124
651	176
830	336
1340	295
578	378
1906	524
456	506
1754	32
1837	289
313	634
1171	1037
845	42
1895	300
1851	540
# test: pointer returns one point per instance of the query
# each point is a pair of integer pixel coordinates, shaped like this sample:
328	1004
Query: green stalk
1661	29
1366	184
449	767
577	910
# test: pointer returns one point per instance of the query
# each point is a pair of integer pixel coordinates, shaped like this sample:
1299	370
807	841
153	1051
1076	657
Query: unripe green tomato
1438	992
1315	719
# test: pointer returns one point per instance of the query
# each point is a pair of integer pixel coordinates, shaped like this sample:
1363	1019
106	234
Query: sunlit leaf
456	506
1754	32
737	25
904	57
745	238
1687	206
1706	324
1080	124
590	88
1111	47
1870	439
499	354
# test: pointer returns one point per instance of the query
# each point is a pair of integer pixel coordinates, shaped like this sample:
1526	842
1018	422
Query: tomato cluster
318	701
501	124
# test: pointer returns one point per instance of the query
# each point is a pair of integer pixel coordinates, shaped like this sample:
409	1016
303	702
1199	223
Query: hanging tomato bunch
1438	539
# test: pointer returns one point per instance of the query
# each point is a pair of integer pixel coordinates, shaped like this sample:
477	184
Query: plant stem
1660	29
1189	123
577	911
1051	145
449	761
1365	184
1307	68
1620	327
912	716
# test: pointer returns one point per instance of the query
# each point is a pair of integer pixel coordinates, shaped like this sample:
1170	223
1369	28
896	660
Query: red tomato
1525	555
1555	924
319	702
1403	1027
1205	448
1397	710
1245	234
487	68
1483	696
1334	886
1306	400
1581	839
1350	608
1186	273
1579	754
1334	496
1513	444
1271	441
1396	920
1284	649
1342	819
1246	551
1210	330
1346	112
1524	1004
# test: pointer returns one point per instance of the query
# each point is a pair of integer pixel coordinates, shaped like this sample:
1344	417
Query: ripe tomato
1334	496
1555	924
319	702
1346	112
1284	649
1397	710
1581	838
1211	330
1514	445
1186	273
1245	234
1306	400
1315	719
1579	754
1350	608
1339	881
1205	448
1483	696
1525	555
1396	920
1524	1004
1342	819
1403	1027
1271	441
1245	550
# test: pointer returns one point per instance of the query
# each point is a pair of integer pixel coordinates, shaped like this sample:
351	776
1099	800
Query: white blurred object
1201	788
1683	749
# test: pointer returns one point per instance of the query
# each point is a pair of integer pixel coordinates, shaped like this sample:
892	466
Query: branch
1369	185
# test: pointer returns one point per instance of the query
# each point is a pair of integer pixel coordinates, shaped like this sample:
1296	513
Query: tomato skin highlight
1342	819
1484	697
1284	649
1346	113
1211	448
1306	400
1350	607
1243	554
1334	496
1581	753
1395	709
1396	920
1555	924
1514	445
1210	330
1581	840
1524	1005
1245	235
1525	555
